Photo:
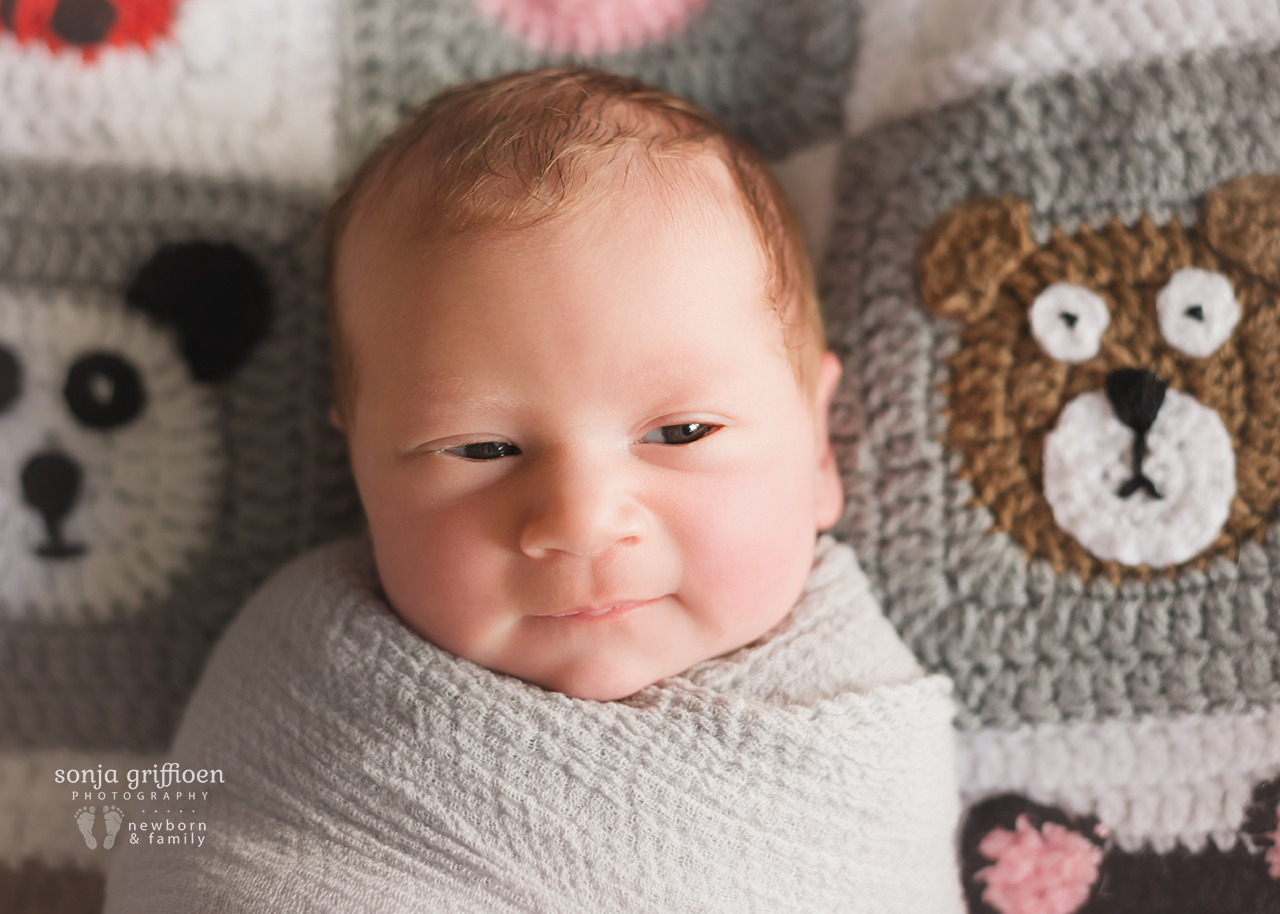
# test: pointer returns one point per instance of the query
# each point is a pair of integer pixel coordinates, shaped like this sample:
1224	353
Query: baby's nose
580	508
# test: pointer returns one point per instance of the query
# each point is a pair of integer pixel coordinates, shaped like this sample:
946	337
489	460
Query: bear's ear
216	297
966	256
1242	223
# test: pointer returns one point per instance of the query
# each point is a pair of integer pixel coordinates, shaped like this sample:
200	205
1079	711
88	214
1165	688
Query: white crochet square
240	88
916	55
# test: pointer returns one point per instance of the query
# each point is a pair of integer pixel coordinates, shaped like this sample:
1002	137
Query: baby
580	367
582	379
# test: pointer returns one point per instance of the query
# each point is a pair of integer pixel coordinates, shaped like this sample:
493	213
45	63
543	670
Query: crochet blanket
1059	302
164	382
1120	725
367	770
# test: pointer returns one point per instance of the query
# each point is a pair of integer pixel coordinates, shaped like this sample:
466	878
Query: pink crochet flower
589	27
1050	871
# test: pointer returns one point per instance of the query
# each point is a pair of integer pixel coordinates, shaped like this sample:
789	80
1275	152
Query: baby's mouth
612	609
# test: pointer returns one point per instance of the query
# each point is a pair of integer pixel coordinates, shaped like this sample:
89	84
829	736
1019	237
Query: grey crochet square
1050	631
145	504
775	72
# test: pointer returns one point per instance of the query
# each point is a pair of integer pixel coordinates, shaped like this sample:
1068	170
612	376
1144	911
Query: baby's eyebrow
455	393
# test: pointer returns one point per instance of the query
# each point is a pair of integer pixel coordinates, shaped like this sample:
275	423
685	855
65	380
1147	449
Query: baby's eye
686	433
482	450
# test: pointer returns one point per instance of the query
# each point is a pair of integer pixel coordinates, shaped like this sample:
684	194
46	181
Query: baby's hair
521	148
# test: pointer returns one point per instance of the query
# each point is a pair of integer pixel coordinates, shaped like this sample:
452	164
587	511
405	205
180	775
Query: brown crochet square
980	265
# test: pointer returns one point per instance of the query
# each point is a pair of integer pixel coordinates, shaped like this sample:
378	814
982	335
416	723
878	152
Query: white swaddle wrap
367	770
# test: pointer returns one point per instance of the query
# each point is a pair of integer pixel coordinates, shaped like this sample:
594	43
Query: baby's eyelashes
685	433
482	450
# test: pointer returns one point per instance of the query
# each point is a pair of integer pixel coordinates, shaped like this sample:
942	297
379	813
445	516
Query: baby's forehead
687	199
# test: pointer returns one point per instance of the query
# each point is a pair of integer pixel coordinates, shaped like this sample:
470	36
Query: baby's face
583	454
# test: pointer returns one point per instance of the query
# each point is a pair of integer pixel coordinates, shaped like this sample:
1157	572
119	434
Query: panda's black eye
10	378
104	391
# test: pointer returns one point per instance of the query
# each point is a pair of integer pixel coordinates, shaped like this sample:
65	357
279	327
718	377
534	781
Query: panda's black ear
214	294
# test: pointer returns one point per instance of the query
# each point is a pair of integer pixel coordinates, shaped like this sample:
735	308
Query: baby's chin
595	679
599	681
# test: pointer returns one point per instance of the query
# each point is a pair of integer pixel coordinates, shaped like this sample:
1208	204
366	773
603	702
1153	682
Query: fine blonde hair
521	148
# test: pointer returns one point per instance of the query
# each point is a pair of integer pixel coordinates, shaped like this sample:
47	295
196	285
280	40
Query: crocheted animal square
775	72
1059	308
210	87
163	437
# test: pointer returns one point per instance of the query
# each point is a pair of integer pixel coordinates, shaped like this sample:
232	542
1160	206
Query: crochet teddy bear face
1116	392
112	457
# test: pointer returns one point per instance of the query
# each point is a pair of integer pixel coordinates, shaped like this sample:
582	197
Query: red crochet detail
110	23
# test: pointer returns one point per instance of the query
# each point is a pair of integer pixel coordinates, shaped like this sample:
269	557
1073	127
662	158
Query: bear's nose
1136	395
83	22
51	485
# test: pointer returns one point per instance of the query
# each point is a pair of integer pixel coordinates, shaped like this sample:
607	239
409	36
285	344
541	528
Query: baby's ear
1242	223
829	488
966	256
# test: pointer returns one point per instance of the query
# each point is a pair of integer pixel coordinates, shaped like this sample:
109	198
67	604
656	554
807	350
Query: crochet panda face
1114	392
111	455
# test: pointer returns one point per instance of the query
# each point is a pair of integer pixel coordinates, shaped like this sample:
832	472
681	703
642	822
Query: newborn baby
592	655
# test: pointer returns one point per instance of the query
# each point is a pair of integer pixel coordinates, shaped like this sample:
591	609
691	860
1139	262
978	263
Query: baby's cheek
438	568
747	543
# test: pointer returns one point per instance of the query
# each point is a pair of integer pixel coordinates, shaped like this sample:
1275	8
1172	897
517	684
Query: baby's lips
611	608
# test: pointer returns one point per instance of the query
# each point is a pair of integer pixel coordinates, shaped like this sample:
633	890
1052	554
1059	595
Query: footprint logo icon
84	821
113	816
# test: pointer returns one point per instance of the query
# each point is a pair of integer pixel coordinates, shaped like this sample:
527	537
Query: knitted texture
87	28
209	87
916	55
567	26
141	504
1062	436
1155	782
368	770
775	72
1055	302
1023	858
1024	641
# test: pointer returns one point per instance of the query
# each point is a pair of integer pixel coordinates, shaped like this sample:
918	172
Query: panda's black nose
83	22
51	485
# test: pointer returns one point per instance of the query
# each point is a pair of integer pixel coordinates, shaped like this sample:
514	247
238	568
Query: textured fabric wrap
367	770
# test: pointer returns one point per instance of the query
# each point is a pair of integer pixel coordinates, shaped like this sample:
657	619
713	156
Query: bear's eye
1197	310
1068	322
10	378
103	390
